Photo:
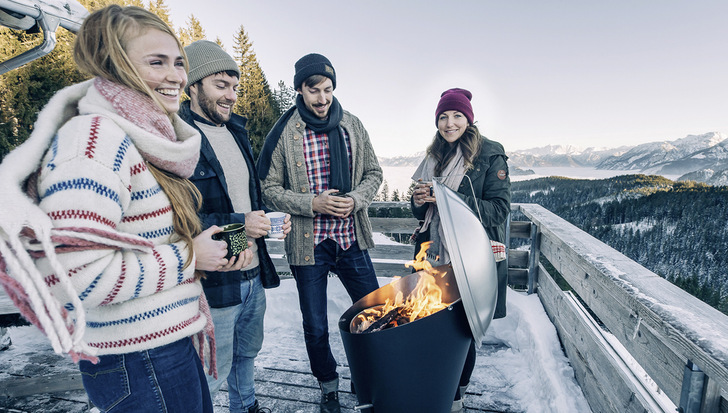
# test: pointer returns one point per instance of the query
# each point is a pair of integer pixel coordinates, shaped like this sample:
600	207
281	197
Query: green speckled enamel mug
234	236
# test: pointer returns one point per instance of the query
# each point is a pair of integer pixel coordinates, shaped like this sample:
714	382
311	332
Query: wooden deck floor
283	383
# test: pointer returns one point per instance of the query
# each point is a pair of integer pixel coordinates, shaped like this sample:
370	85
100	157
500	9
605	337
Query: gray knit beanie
207	58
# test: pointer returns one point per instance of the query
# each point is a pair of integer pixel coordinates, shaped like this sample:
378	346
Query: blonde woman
114	281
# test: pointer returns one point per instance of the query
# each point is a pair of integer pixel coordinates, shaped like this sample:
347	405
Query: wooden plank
388	260
520	229
403	252
620	312
20	387
517	258
594	360
658	323
394	225
518	276
6	304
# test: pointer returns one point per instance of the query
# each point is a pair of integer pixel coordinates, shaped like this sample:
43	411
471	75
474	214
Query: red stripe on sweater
146	337
80	214
148	215
162	270
116	236
119	282
93	137
53	278
138	168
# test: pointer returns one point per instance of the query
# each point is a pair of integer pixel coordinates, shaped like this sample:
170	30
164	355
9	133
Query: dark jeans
355	270
167	379
467	370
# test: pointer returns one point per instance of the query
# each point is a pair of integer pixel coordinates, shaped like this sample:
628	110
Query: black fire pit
416	367
423	358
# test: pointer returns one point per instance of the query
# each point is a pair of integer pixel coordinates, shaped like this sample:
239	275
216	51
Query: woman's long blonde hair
443	151
100	50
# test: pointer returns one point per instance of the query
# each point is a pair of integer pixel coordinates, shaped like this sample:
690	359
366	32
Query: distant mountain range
702	158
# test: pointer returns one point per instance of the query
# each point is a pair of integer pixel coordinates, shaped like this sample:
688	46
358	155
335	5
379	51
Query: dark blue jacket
223	288
490	194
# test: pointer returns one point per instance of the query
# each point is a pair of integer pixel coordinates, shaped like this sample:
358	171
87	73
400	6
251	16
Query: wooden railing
636	342
622	322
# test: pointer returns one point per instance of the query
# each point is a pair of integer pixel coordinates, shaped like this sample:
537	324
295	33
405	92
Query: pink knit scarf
144	112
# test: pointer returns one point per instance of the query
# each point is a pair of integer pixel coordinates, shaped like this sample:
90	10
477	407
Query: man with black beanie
318	165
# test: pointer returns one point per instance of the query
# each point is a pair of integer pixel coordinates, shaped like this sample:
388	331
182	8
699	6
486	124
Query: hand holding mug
423	193
277	220
235	238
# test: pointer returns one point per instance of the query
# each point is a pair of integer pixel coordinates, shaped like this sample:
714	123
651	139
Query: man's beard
209	108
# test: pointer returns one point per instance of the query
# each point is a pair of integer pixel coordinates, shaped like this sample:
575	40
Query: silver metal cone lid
471	257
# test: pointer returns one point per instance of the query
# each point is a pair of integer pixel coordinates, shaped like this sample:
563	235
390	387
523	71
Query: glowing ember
424	300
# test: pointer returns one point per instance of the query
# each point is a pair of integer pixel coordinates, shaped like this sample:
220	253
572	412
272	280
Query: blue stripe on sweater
90	287
140	281
157	233
143	316
147	193
180	263
83	184
121	153
54	152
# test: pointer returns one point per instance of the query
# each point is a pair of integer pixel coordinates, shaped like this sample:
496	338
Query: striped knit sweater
94	183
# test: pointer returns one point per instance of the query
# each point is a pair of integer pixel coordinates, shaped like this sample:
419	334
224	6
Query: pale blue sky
584	73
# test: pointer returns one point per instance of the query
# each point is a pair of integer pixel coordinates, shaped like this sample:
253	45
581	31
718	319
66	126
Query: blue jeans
238	339
356	272
168	379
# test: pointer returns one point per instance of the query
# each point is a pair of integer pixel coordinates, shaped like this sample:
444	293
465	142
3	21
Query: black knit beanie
313	64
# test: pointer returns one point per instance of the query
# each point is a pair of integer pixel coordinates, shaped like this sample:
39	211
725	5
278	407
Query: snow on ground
527	368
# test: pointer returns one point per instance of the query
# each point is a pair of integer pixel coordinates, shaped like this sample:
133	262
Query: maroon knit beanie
455	99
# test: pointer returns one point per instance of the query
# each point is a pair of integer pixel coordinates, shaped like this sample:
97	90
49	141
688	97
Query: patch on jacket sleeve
502	174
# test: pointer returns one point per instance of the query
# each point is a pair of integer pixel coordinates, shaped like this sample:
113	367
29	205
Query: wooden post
691	395
508	237
4	339
533	258
699	394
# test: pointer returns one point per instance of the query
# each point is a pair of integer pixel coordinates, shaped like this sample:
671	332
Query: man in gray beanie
318	164
230	194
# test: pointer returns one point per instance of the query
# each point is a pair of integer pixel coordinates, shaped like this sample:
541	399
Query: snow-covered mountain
708	176
551	155
404	160
681	156
703	154
562	155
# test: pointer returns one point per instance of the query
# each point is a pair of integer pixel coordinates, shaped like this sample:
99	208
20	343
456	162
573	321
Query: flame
420	262
424	300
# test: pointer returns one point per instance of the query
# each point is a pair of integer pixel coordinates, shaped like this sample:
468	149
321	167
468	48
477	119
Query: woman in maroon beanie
475	167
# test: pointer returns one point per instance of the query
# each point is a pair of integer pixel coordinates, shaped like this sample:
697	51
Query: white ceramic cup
276	224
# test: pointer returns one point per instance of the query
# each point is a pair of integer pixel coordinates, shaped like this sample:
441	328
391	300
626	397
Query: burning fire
424	300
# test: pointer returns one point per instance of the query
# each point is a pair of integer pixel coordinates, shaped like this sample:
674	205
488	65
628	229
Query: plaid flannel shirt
317	155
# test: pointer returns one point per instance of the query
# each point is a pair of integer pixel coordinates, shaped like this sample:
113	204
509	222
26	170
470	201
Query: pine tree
192	33
410	191
254	95
160	8
383	194
283	98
